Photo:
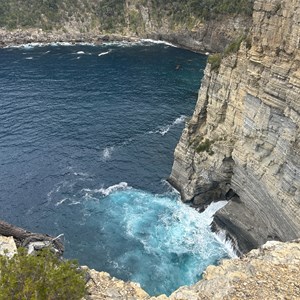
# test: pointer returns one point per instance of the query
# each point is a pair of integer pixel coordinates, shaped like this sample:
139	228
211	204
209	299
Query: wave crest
107	191
165	129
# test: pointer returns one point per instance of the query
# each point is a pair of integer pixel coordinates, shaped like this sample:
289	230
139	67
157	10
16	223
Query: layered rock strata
243	141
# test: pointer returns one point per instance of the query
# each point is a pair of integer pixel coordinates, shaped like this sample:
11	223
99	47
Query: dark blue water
87	136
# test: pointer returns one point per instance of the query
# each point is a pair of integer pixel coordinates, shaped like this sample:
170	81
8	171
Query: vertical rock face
243	141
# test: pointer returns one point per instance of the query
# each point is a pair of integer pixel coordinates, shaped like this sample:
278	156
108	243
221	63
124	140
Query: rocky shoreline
38	36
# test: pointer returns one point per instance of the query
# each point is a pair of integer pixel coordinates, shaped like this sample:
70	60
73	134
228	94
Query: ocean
87	135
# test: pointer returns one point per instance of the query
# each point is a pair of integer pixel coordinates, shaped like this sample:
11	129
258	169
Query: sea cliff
242	142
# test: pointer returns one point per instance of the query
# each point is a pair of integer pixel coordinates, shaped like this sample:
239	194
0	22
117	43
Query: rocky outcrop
31	241
208	36
271	272
7	246
243	141
103	286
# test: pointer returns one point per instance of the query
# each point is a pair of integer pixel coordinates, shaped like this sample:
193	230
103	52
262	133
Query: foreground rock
102	286
242	143
271	272
31	241
7	246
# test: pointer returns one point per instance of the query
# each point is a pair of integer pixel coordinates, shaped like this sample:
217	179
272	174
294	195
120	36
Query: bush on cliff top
40	277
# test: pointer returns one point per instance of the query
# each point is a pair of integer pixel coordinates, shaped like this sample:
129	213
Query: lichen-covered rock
103	286
7	246
248	116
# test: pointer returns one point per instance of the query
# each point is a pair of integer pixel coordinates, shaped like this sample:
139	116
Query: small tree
40	277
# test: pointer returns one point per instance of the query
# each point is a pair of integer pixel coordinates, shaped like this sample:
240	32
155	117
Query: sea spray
155	240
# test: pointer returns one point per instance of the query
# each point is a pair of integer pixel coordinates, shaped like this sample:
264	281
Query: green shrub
40	277
234	46
215	60
205	146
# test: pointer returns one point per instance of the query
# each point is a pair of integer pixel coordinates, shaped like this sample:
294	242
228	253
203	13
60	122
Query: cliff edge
242	142
271	272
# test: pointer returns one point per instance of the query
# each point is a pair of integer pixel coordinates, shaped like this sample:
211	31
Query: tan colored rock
7	246
102	286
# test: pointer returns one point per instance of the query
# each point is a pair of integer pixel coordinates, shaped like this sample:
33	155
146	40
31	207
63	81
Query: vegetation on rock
215	60
115	15
233	47
43	276
205	146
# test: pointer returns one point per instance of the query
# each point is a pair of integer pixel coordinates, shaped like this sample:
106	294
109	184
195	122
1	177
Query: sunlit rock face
242	142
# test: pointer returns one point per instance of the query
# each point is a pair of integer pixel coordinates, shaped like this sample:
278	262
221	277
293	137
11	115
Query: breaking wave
157	233
165	129
104	53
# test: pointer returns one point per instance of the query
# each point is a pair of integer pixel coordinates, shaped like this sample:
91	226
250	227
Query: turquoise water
87	136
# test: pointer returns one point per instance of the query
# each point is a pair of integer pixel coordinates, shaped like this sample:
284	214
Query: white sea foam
61	201
165	129
228	245
81	174
115	43
107	191
29	46
29	57
80	52
104	53
158	42
106	153
114	188
74	203
144	42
